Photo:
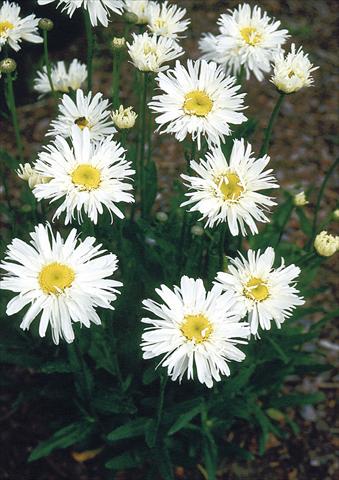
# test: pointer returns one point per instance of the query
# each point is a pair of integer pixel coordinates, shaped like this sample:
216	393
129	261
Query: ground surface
302	151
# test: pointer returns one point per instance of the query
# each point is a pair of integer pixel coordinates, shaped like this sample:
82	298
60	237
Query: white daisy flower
86	111
140	8
248	38
63	80
99	10
166	20
193	329
64	280
228	191
293	72
88	175
14	29
198	100
149	53
265	293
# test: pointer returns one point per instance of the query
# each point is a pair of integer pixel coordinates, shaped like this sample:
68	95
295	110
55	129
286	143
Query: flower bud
118	43
335	214
326	244
46	24
124	117
7	65
26	172
300	199
161	217
197	230
130	17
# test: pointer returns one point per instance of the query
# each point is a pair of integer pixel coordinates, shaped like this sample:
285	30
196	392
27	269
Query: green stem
142	139
163	383
286	219
12	108
116	78
241	75
268	132
222	244
320	197
90	48
47	62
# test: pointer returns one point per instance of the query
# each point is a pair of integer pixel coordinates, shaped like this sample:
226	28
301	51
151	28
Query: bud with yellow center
124	117
196	328
300	199
27	173
326	244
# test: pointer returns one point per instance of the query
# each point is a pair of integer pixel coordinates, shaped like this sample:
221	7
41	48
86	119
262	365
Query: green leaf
63	438
131	429
164	463
56	366
127	460
298	399
184	419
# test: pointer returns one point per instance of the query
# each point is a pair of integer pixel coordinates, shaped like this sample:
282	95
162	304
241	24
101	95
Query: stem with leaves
268	131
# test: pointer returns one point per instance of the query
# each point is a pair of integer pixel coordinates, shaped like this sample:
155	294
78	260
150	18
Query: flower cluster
85	172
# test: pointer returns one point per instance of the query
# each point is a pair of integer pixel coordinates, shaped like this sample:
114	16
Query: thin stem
286	219
47	62
12	108
142	139
268	132
116	78
222	244
163	383
320	197
90	48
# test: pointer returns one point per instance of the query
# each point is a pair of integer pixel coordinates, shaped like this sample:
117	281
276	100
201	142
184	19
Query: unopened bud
130	17
46	24
161	217
197	230
300	199
7	65
326	244
118	43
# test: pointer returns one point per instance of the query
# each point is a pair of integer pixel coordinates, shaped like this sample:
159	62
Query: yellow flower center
196	327
251	35
256	289
160	23
82	122
230	186
4	27
55	277
149	49
197	103
86	176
